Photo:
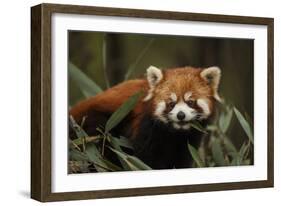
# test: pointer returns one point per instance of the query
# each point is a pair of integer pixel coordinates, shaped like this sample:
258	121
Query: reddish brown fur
109	100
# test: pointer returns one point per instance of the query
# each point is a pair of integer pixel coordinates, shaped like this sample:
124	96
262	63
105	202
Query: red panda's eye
191	103
171	105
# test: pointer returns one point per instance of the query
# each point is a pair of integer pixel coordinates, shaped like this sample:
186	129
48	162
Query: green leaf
243	150
243	153
75	155
225	119
235	161
231	149
111	166
138	163
133	66
115	144
132	162
195	156
248	119
245	125
239	158
122	112
124	142
80	133
218	153
79	141
123	156
198	126
211	128
95	157
88	87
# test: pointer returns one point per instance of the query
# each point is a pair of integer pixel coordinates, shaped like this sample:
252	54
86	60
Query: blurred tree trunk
209	52
114	58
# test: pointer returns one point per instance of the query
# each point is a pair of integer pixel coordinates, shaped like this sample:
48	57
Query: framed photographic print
135	102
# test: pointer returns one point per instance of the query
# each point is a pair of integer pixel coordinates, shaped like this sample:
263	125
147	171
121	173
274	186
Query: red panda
158	126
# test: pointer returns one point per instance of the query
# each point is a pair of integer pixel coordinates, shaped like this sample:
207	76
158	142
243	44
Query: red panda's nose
181	115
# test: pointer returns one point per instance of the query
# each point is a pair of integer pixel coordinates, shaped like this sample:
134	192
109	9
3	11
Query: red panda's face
181	95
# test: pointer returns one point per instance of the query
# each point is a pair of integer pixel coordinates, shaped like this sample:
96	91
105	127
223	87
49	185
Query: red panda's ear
154	76
212	75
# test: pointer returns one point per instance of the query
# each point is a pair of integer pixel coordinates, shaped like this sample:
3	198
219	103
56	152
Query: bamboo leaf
123	142
138	163
195	156
122	112
196	125
75	155
133	162
95	157
80	133
79	141
113	141
239	158
235	161
243	150
231	149
245	125
126	161
111	166
88	87
225	119
133	66
218	153
243	153
211	128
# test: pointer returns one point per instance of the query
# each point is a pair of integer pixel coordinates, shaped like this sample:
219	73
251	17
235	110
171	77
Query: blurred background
110	58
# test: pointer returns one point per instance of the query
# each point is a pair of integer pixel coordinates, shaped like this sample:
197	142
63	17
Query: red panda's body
158	125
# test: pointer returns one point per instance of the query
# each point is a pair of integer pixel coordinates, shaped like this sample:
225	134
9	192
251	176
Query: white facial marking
173	97
187	95
203	104
190	113
176	126
149	95
187	126
159	111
